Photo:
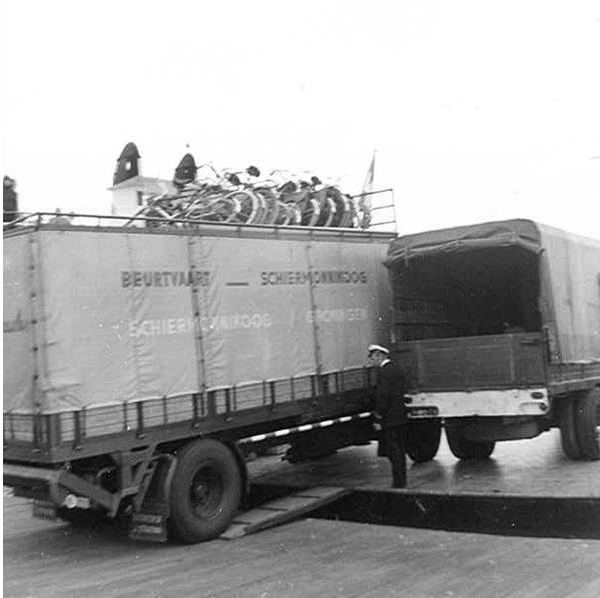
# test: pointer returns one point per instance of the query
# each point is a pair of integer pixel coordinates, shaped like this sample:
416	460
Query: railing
61	220
380	209
50	429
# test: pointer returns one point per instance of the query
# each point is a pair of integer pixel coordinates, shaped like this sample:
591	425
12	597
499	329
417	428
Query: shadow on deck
528	488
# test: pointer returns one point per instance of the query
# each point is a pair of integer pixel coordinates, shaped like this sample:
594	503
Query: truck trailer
498	328
143	365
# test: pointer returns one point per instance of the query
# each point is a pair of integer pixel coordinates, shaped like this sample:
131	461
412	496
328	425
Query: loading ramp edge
282	510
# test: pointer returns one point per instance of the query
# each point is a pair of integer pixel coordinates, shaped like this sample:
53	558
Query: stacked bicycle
242	197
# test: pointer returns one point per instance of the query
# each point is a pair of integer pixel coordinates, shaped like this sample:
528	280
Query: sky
477	110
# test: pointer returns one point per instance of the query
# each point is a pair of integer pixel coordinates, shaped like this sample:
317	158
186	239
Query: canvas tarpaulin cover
508	233
570	272
19	366
131	315
568	269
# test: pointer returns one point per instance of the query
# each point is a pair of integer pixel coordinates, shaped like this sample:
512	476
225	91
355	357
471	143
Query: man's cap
378	348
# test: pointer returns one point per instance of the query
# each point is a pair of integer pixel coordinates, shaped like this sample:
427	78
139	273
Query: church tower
130	189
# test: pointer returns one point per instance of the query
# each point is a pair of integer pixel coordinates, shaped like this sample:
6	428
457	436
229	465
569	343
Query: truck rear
142	364
498	327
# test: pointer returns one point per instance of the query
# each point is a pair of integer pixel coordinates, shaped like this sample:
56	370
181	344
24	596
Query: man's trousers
392	444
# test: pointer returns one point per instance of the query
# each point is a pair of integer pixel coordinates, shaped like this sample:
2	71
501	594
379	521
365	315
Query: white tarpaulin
571	272
18	354
129	314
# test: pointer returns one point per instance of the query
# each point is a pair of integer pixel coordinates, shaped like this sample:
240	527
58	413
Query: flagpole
364	203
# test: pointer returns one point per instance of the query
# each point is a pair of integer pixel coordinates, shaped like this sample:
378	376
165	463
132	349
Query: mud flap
45	509
149	527
149	523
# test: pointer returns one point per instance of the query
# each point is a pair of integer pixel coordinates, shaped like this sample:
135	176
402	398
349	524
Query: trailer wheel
584	411
568	437
423	439
463	448
205	491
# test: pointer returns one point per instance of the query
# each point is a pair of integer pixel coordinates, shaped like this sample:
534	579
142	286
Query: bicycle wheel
198	206
321	198
249	207
310	211
348	217
224	209
342	207
271	210
220	209
295	215
283	215
327	212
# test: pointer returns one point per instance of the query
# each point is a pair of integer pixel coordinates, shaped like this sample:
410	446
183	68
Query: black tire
423	440
586	431
463	448
566	421
205	491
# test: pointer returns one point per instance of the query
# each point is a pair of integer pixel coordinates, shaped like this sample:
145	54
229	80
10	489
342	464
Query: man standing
390	412
9	196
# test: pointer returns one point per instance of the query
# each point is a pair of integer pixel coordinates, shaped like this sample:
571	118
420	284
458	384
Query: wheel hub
206	492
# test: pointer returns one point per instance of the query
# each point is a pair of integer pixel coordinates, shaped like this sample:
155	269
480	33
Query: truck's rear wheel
423	439
586	430
466	449
568	437
205	491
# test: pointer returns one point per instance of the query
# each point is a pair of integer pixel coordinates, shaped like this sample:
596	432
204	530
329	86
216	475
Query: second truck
498	328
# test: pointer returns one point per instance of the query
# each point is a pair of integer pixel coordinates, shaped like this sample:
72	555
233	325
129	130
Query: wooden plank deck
309	558
523	468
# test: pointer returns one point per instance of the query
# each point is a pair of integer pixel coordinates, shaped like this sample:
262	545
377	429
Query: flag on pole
368	184
364	203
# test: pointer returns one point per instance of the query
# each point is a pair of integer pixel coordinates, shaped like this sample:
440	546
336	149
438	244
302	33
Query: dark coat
389	399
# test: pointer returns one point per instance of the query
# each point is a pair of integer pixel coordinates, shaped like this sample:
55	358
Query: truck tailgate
470	363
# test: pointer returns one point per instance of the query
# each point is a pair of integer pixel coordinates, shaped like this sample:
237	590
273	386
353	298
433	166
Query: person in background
9	195
390	412
60	218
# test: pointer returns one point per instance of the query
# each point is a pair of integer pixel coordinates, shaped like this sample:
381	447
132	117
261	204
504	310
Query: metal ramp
282	510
